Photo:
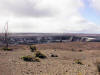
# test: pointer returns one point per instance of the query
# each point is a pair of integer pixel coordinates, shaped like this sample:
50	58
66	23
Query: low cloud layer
45	16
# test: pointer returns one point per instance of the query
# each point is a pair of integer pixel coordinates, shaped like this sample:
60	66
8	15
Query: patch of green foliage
78	61
30	58
39	55
33	48
54	55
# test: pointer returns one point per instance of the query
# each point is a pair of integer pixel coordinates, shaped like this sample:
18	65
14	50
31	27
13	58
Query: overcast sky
51	16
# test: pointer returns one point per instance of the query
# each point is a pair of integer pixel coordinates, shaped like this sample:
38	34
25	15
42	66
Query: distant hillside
54	34
40	38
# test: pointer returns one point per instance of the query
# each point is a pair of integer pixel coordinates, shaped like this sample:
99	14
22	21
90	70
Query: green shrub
33	48
36	59
80	50
30	58
54	55
78	61
27	58
7	49
98	66
39	55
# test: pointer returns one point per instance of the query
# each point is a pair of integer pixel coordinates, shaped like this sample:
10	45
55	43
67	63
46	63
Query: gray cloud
45	16
25	8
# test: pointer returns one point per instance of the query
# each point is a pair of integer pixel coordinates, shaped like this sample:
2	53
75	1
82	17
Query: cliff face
42	39
48	38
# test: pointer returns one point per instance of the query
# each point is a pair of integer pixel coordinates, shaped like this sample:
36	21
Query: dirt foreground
65	64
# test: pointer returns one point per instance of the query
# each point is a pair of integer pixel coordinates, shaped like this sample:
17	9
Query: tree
6	35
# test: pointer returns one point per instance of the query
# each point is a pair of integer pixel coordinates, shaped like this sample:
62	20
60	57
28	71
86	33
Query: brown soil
65	64
71	46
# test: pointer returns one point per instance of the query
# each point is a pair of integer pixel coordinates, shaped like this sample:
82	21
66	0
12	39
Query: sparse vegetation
98	66
35	57
39	55
33	48
30	58
54	55
80	50
68	62
7	49
78	61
